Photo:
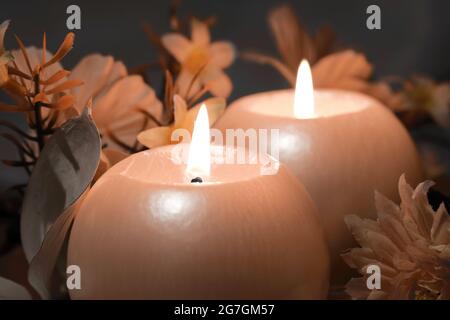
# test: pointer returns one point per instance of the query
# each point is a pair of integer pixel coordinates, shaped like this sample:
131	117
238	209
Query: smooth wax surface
352	147
144	233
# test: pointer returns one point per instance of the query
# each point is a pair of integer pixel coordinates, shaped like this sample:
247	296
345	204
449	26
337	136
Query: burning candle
341	145
152	228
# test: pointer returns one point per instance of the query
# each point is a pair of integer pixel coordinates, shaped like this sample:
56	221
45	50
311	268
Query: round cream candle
341	145
145	231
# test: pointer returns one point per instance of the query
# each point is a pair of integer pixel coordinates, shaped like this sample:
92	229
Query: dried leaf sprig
421	99
32	90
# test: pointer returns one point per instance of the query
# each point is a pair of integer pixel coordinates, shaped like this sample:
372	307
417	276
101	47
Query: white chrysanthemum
410	243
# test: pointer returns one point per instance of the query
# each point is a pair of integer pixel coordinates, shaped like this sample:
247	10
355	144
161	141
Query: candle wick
197	180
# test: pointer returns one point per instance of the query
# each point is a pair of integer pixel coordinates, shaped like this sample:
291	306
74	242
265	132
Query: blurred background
413	39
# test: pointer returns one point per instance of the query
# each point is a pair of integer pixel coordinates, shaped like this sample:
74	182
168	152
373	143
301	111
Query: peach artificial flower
35	58
201	61
183	119
108	158
410	243
346	69
117	97
350	70
422	94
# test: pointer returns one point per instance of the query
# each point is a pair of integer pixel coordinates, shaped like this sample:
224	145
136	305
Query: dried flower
422	97
119	100
344	69
410	244
184	119
39	87
45	89
34	58
202	62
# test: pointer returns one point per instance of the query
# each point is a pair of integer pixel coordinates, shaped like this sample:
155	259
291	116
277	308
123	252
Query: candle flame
304	92
199	160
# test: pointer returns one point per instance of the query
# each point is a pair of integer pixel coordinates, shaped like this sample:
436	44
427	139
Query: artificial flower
345	69
183	119
410	243
422	96
37	77
120	101
34	57
202	62
5	56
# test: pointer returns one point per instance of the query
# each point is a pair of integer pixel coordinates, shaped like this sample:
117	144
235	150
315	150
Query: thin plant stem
38	115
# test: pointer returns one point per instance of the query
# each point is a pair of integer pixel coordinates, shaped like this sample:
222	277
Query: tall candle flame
304	92
199	160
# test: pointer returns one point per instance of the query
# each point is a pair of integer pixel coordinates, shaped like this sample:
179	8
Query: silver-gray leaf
10	290
65	168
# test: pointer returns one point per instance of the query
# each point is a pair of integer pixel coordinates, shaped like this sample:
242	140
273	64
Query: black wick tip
197	180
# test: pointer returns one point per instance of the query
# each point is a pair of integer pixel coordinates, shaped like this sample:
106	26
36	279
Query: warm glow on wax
304	92
199	160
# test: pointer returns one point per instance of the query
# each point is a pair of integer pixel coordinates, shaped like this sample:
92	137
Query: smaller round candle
341	145
151	228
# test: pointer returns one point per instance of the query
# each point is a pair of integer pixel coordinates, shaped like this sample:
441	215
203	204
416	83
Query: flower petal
200	33
386	206
218	83
215	108
345	70
34	55
117	109
441	111
118	71
383	247
180	110
155	137
178	45
184	81
94	70
292	40
222	54
394	229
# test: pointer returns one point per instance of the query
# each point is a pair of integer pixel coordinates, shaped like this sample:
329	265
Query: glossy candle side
342	155
252	237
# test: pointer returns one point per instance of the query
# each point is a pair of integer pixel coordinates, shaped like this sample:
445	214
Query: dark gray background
415	35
